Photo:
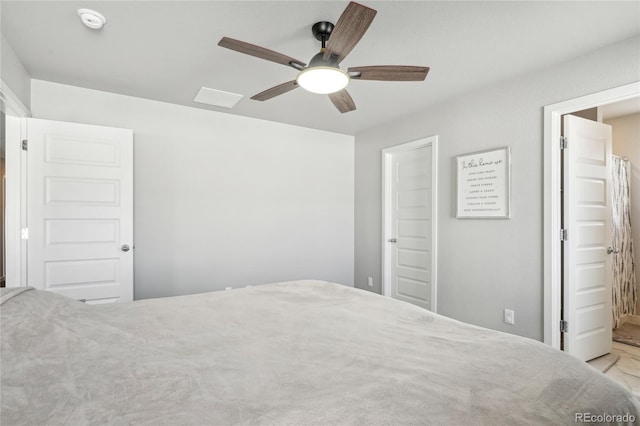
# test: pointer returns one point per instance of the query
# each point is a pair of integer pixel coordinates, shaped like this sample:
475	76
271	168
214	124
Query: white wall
13	73
223	200
485	266
626	143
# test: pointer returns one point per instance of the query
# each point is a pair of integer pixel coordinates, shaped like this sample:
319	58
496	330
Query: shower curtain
624	280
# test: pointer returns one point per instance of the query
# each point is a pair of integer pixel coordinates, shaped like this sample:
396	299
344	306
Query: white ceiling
167	50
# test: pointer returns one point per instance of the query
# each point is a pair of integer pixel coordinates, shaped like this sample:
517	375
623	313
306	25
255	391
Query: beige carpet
628	334
604	362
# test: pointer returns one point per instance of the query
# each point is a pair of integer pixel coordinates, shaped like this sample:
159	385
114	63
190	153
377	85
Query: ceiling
167	50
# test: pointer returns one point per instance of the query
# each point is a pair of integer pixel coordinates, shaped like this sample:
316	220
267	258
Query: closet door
409	247
80	210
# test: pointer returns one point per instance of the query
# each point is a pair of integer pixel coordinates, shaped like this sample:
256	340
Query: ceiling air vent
217	98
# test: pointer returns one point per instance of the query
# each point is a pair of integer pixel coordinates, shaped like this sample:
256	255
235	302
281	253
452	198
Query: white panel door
587	219
411	230
80	210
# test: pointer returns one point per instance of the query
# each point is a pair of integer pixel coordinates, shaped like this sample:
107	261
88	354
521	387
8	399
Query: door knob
612	250
124	247
393	240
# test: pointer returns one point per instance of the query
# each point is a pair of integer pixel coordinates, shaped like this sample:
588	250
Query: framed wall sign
484	184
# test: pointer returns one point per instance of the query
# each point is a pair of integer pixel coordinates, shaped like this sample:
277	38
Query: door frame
16	178
431	141
552	198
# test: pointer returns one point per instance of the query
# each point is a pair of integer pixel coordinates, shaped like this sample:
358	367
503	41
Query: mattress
294	353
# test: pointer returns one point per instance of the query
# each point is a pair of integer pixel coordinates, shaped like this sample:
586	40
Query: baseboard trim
633	319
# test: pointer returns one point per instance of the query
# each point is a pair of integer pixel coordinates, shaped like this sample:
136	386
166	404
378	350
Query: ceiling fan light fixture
323	74
323	79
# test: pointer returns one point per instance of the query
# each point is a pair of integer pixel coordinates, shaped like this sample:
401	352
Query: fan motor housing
319	61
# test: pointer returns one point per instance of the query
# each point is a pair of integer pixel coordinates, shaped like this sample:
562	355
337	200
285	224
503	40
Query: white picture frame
484	184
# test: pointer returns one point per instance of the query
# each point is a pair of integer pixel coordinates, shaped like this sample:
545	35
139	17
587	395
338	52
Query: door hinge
564	235
24	233
564	326
564	141
25	143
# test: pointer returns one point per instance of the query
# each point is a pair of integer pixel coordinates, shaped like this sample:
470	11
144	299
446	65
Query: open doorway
624	118
624	370
600	154
553	199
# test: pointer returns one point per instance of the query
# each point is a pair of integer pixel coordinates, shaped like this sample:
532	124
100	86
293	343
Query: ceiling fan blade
390	73
343	101
276	91
348	31
260	52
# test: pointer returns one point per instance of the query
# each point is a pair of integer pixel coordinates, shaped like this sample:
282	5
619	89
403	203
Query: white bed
295	353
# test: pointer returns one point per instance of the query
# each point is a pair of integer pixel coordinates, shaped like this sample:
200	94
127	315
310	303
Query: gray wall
485	266
13	73
222	200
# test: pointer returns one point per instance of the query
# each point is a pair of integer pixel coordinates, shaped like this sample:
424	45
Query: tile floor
627	370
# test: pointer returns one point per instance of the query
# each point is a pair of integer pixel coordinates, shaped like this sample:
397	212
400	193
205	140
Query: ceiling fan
323	74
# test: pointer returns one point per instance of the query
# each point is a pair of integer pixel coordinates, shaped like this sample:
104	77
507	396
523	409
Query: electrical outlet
370	281
509	316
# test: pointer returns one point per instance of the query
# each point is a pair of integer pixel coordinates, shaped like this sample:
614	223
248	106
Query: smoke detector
92	19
